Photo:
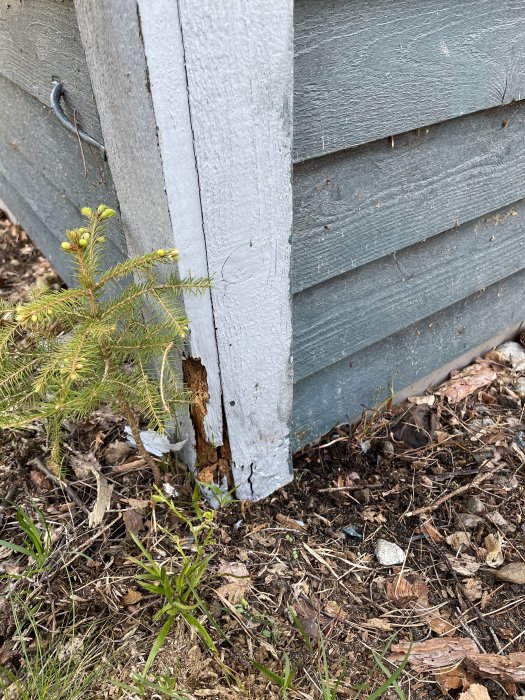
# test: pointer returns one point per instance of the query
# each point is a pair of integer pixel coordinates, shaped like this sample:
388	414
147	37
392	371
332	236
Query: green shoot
37	545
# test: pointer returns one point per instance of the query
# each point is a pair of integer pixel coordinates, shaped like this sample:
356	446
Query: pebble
469	521
513	573
475	505
515	354
389	553
519	387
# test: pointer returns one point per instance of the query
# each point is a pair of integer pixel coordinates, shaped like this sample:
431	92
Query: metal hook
56	94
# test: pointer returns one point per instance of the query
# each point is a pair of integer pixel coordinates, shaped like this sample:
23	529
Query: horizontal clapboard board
340	392
351	312
367	69
44	167
40	40
361	204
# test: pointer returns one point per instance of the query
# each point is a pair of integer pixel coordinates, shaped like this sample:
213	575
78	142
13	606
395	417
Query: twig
354	487
59	482
479	479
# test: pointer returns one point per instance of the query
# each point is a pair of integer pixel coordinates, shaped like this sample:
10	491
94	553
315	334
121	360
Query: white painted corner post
215	79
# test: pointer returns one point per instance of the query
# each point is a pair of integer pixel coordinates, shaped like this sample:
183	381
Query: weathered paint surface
239	68
353	311
358	205
47	180
40	40
366	69
341	391
164	50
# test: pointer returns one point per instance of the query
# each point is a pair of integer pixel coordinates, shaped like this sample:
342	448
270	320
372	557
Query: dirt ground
297	576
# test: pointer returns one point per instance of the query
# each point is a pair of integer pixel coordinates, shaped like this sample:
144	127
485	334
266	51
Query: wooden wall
45	177
408	246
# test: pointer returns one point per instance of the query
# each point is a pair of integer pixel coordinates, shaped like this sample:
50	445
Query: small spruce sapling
65	353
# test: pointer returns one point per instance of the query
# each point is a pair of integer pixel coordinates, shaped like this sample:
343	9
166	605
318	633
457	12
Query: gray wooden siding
45	176
340	391
407	251
365	69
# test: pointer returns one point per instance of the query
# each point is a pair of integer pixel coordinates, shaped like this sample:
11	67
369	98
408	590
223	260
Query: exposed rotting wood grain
354	207
351	312
213	462
239	67
39	41
366	69
340	392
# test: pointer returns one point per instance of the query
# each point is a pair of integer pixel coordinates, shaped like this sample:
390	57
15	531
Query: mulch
441	476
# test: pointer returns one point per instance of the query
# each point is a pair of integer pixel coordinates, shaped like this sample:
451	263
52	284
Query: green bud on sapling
87	212
107	214
65	245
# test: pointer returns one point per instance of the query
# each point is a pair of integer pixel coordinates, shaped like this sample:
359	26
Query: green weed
37	545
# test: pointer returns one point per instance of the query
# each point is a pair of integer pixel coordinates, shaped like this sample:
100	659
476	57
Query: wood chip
467	382
434	653
104	491
290	523
475	692
510	668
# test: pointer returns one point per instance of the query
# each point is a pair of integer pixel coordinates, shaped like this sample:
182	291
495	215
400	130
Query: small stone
389	553
519	387
469	521
498	520
388	449
513	573
475	505
482	456
514	354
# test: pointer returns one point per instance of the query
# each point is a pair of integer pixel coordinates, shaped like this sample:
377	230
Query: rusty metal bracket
56	93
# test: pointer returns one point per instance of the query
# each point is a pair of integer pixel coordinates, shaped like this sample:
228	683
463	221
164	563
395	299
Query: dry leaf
429	529
402	590
117	452
83	465
133	521
434	653
372	515
335	610
493	543
450	679
286	521
238	581
310	619
475	692
420	400
473	589
466	382
104	491
415	426
131	597
378	623
441	626
458	539
510	668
